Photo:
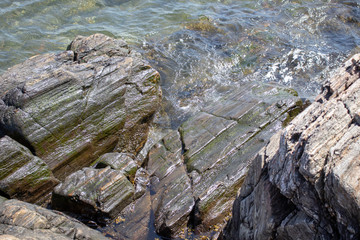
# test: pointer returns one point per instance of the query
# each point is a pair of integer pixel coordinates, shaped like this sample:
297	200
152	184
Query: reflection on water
203	49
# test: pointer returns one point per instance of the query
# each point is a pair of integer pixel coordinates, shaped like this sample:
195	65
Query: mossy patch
293	112
203	24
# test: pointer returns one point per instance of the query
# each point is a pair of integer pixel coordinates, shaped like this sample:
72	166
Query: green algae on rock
221	140
73	106
304	183
23	175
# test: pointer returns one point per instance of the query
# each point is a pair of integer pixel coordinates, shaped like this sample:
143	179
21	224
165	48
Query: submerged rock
97	194
20	220
71	107
23	175
304	183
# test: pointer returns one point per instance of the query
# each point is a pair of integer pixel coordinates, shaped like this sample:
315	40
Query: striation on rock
118	161
71	107
23	175
221	140
192	175
20	220
304	183
98	194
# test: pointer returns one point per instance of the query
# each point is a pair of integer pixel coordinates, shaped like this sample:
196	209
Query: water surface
203	49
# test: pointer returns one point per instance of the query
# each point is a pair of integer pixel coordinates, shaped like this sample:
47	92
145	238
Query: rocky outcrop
220	141
304	183
94	193
23	175
92	105
172	195
194	173
71	107
20	220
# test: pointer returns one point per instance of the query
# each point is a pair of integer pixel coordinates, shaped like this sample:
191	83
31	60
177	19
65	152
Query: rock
98	194
221	140
118	161
71	107
304	183
134	222
167	201
20	220
23	175
217	145
141	182
172	197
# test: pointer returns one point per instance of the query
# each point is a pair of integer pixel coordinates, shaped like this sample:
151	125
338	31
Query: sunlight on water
202	49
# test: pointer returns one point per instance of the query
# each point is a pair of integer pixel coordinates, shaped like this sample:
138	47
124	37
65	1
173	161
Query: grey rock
221	140
20	220
172	197
118	161
23	175
98	194
71	107
134	222
313	165
141	181
166	199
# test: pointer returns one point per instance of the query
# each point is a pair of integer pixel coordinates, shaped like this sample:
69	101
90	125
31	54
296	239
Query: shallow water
203	49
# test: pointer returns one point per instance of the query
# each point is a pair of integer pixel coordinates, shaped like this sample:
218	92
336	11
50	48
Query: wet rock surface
304	183
222	139
20	220
194	173
98	194
92	106
71	107
118	161
23	175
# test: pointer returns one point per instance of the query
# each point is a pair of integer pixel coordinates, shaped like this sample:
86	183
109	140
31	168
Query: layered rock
118	161
167	201
20	220
304	183
172	194
194	173
220	141
71	107
98	194
23	175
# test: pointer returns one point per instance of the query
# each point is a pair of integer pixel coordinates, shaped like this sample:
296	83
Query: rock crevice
312	164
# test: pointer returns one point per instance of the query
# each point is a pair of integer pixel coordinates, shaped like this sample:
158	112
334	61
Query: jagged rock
97	194
141	181
71	107
23	175
172	196
220	141
20	220
168	201
304	183
134	222
118	161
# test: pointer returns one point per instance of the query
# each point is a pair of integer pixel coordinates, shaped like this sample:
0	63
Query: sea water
202	48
